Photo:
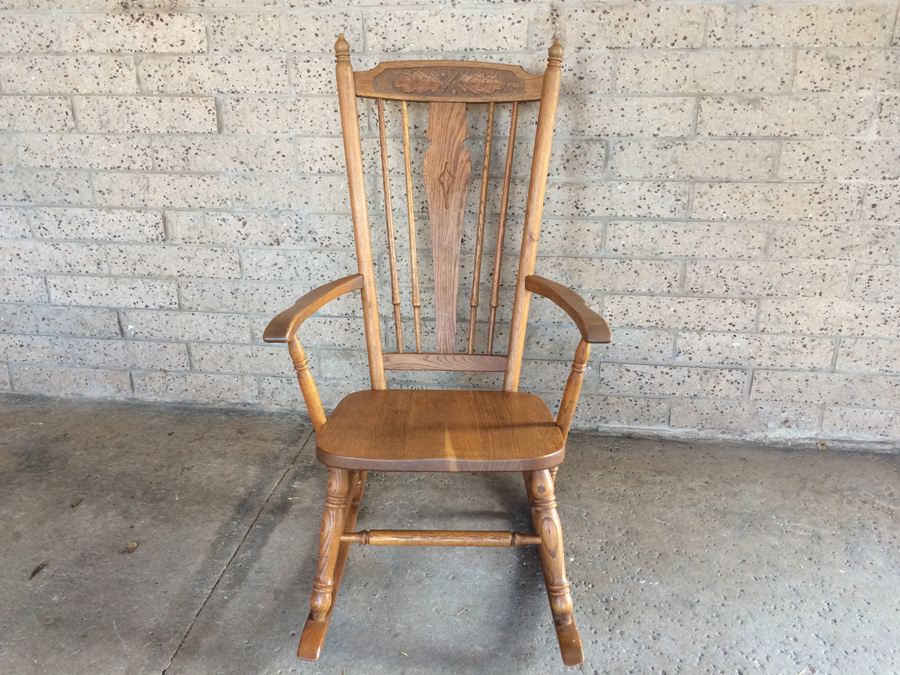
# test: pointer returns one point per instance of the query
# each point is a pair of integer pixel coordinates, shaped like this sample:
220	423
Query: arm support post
307	384
573	388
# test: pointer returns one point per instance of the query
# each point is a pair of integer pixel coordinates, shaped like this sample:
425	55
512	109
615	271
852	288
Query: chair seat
447	430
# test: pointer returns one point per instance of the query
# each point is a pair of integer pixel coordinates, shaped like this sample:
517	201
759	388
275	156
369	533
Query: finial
554	54
342	48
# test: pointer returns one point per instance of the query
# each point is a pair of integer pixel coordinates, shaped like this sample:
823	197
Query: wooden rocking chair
442	430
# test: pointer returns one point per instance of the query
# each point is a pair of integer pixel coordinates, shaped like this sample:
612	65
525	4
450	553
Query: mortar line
237	549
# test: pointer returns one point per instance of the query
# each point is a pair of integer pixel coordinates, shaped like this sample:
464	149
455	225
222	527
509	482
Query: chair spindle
501	227
411	222
389	219
479	236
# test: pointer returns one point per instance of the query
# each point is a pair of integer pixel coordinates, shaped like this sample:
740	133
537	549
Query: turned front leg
337	502
542	496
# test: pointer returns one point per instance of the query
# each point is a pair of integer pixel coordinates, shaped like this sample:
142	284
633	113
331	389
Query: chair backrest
449	88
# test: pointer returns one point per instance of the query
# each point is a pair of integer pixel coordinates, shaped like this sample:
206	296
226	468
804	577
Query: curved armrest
592	326
284	326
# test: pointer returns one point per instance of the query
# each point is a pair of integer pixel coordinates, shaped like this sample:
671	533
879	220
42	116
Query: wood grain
485	538
284	326
592	326
479	229
312	637
358	210
449	81
501	226
336	503
440	430
437	361
448	171
389	223
534	210
307	383
411	229
544	515
572	392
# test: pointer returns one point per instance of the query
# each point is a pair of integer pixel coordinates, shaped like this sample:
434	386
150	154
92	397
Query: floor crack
237	548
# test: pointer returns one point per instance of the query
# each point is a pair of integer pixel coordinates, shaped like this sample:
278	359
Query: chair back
439	331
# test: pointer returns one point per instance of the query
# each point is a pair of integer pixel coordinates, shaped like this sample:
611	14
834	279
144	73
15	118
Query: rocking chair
382	429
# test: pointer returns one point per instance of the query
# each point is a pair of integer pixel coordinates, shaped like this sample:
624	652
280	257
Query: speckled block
865	355
112	292
695	159
295	32
667	239
681	312
51	256
620	26
220	74
844	24
99	224
841	69
22	288
829	316
36	113
154	324
817	278
628	116
756	419
41	318
89	382
145	114
798	115
840	160
83	74
424	30
759	351
705	71
874	391
193	387
776	201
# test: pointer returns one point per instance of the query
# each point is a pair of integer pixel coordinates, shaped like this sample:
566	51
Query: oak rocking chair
443	430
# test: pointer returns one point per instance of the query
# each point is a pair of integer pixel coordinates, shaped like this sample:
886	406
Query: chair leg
339	503
541	495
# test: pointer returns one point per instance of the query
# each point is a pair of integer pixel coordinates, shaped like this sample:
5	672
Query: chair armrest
284	326
592	326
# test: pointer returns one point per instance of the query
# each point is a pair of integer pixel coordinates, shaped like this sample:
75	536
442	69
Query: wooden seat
422	430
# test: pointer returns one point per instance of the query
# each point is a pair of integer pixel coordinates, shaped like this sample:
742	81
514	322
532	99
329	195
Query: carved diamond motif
445	179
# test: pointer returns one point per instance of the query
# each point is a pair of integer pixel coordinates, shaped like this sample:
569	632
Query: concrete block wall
724	189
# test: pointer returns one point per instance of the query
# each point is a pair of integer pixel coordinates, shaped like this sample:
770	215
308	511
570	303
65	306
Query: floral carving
417	82
480	82
446	82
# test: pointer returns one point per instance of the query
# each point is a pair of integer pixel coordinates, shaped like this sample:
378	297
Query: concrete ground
686	558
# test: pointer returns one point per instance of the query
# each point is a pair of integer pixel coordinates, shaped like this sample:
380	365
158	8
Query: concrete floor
684	558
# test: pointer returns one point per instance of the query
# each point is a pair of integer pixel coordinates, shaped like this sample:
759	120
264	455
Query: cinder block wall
724	189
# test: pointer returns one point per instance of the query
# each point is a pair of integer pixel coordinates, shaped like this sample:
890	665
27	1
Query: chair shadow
523	599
